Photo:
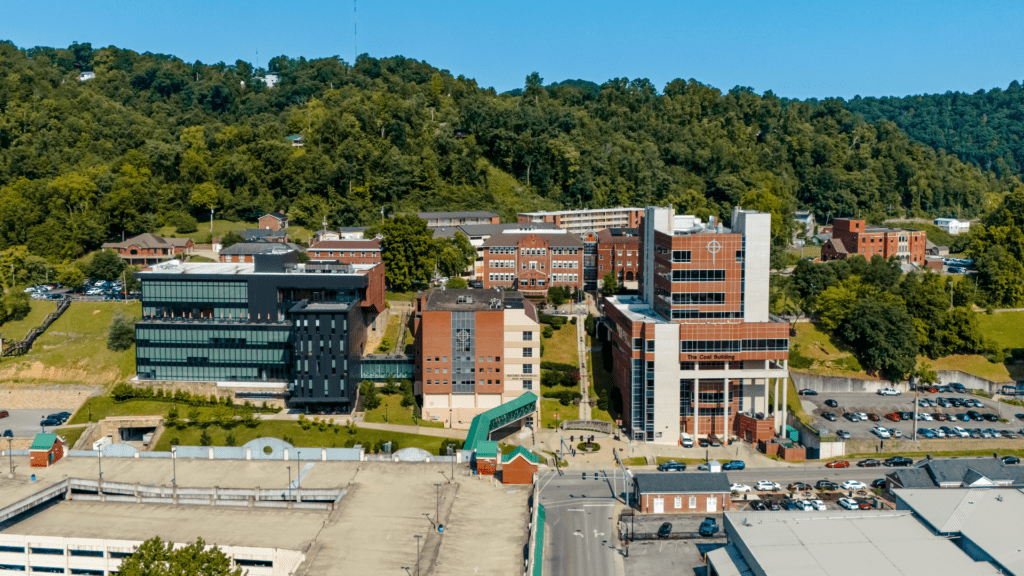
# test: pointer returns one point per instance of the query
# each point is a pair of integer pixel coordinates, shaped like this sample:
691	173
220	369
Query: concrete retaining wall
937	445
970	381
840	384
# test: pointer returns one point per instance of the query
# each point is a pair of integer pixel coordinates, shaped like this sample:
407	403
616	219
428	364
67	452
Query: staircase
20	348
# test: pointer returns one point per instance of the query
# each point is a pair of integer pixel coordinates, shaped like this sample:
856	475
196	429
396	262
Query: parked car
924	416
863	417
993	433
888	392
739	488
734	465
990	417
838	464
4	414
948	431
826	485
958	387
873	417
709	527
703	442
869	463
773	506
851	417
881	432
808	392
687	442
1010	460
853	485
48	422
906	415
940	417
817	505
831	403
799	486
843	434
895	433
960	432
665	530
898	461
829	416
758	505
878	483
894	416
849	503
766	486
926	432
672	466
792	505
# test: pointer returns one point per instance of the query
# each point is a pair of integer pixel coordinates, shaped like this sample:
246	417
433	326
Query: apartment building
475	350
618	251
579	222
443	219
533	260
850	237
480	233
346	251
696	350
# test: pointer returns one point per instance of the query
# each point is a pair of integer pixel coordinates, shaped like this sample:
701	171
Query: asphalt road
580	529
25	423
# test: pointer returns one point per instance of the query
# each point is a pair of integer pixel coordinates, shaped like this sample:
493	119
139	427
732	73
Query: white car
849	503
739	488
939	433
888	392
766	486
961	432
806	505
895	433
881	432
853	485
924	416
818	504
863	417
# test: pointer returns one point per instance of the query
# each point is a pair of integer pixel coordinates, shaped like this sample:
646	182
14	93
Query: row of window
445	382
750	345
195	291
279	372
319	254
698	298
698	275
697	314
205	335
470	358
502	263
199	356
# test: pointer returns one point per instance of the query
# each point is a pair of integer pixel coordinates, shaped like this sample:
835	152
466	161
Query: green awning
497	417
43	441
520	451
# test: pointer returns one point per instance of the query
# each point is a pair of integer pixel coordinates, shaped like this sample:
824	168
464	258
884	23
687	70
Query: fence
594	425
19	348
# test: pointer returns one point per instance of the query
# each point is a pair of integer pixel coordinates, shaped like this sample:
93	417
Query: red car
838	464
893	416
873	417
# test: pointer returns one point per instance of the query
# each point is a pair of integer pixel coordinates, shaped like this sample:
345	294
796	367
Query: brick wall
518	471
486	466
670	500
750	430
793	454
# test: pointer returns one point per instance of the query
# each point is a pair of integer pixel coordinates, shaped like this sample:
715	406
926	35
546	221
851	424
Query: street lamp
9	455
417	537
437	504
174	466
289	482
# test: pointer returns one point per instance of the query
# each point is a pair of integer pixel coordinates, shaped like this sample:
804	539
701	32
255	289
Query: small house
87	75
46	449
518	466
485	458
296	140
275	221
701	493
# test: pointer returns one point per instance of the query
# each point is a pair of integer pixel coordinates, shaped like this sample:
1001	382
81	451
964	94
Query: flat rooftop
471	300
843	543
635	309
249	268
583	212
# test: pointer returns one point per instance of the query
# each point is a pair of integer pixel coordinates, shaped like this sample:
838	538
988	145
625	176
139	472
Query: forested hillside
984	128
153	140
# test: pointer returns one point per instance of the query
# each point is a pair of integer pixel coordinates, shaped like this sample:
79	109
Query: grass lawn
639	461
330	438
391	333
809	251
220	228
396	414
1006	328
99	407
599	379
972	364
549	408
71	435
18	329
74	348
400	296
410	342
200	259
562	346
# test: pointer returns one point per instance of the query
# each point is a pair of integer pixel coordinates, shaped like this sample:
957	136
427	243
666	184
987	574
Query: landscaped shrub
548	331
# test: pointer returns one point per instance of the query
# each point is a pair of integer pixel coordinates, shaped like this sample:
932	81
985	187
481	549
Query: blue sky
795	49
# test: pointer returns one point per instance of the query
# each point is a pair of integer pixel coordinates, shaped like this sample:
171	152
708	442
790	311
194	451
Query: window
678	502
527	335
693	502
527	384
527	352
527	368
680	255
650	345
638	343
698	275
698	298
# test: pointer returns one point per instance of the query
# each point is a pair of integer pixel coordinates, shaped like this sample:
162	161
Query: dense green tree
106	265
456	283
407	249
154	557
556	296
121	334
454	255
883	335
611	284
230	239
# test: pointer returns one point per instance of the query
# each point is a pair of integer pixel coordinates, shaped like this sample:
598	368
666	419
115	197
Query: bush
572	320
371	397
443	451
204	438
559	366
175	441
230	440
121	335
555	321
548	331
564	397
590	325
390	387
183	223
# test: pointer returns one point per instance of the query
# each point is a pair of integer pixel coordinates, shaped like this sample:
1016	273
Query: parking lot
869	403
670	556
25	423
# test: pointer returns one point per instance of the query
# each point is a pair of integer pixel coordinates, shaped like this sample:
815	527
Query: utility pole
917	393
417	537
174	466
289	482
437	505
10	456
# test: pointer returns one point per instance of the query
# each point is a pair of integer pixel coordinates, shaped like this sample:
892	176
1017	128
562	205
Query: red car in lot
893	416
873	417
838	464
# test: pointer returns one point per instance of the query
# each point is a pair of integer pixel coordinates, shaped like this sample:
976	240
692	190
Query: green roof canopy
520	451
43	441
495	418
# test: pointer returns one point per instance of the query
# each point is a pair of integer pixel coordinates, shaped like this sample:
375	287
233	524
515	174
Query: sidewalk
344	420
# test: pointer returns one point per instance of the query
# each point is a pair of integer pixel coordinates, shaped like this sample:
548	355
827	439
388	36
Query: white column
785	392
696	408
725	412
775	412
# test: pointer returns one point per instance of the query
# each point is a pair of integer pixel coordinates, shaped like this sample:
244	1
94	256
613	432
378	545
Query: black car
829	416
758	505
49	422
851	417
708	527
878	483
831	403
869	463
791	505
808	392
899	461
773	506
8	434
826	485
956	402
672	466
906	415
990	417
665	530
1006	459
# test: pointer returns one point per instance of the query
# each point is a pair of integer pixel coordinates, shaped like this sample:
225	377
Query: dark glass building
302	326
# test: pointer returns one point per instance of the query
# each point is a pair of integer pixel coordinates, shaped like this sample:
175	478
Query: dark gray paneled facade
273	322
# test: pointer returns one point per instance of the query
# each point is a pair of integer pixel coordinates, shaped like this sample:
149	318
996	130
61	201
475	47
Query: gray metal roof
260	248
471	214
682	483
969	470
469	299
251	234
846	543
552	237
913	478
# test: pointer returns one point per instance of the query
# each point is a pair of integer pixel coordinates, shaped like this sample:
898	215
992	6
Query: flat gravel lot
25	423
882	405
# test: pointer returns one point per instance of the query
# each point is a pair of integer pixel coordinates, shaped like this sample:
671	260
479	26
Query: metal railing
22	347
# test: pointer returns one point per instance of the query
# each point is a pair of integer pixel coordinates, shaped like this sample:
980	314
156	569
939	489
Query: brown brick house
618	251
518	466
274	221
851	237
149	248
665	493
533	261
346	251
46	450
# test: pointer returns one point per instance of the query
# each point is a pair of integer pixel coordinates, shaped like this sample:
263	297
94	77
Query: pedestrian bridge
498	417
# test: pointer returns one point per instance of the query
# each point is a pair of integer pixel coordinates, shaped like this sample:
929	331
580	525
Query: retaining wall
900	445
841	384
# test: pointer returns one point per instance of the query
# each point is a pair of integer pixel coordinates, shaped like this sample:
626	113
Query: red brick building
579	222
346	251
697	348
446	219
706	492
618	251
274	221
533	261
851	237
46	449
147	248
518	466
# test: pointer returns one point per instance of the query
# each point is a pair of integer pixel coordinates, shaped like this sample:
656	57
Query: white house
952	225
